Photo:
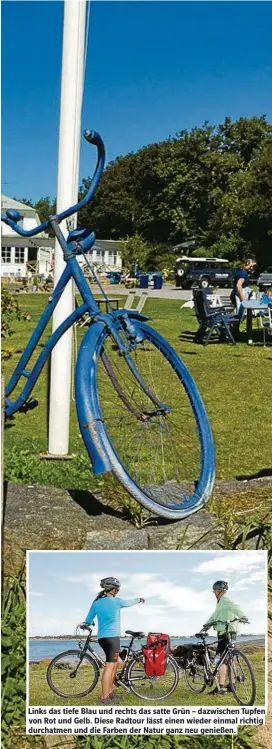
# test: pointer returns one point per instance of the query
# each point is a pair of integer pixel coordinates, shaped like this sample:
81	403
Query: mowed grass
234	381
41	694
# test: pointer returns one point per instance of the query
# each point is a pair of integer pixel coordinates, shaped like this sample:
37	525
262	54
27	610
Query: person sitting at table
241	284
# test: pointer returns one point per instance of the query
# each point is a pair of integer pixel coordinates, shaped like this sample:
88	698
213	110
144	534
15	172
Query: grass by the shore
41	694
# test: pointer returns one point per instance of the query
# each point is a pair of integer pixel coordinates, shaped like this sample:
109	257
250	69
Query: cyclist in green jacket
226	610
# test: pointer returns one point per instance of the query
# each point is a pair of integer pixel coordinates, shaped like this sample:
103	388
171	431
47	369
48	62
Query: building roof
14	240
25	210
106	244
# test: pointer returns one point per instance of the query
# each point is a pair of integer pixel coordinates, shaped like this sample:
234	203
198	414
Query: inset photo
151	628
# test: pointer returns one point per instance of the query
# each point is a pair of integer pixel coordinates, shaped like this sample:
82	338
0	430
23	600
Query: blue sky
176	586
153	68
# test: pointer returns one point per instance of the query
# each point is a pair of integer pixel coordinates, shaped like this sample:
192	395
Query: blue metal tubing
88	412
37	333
94	138
72	270
32	376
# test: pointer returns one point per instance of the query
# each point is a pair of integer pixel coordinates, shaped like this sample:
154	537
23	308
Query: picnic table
111	300
85	320
252	305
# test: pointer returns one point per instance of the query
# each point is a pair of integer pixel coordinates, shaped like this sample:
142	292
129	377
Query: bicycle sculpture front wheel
152	688
150	419
72	675
194	675
241	678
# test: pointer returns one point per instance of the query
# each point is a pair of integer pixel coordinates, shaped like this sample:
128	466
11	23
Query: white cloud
171	606
36	594
150	586
234	561
44	623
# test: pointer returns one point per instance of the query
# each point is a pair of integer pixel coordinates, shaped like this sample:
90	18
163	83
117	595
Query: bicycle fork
89	414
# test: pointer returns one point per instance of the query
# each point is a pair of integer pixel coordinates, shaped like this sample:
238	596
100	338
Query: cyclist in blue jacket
106	608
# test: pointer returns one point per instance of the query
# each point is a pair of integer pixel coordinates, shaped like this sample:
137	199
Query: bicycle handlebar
86	626
12	216
230	621
220	621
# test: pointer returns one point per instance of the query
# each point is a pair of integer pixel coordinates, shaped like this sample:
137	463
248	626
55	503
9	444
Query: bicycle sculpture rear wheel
153	423
241	678
70	675
152	688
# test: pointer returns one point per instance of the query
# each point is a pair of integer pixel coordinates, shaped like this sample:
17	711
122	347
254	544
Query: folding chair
212	319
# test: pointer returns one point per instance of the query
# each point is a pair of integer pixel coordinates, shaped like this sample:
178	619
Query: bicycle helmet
220	585
109	583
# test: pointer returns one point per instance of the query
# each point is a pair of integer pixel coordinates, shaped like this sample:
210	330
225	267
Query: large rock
45	517
117	539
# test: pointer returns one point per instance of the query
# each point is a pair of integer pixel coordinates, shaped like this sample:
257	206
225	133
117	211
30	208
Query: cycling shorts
111	647
221	644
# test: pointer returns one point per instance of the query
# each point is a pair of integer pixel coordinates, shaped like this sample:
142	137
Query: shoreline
47	638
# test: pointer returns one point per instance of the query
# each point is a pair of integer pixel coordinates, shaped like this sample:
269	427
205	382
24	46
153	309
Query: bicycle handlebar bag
155	653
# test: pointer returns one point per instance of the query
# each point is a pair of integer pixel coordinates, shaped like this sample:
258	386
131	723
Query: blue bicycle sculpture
139	410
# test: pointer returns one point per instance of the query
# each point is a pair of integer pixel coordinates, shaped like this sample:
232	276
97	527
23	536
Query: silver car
265	278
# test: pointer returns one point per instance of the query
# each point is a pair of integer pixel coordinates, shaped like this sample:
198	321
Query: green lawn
235	383
41	694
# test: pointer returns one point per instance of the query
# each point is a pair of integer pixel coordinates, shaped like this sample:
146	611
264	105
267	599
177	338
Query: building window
6	254
19	254
100	254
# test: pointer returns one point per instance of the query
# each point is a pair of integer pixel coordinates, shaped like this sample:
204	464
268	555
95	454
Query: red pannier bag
155	653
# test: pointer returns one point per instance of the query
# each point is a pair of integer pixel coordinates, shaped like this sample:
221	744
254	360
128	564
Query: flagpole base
52	456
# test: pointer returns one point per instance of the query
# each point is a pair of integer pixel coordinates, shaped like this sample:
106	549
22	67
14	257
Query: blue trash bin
144	281
157	281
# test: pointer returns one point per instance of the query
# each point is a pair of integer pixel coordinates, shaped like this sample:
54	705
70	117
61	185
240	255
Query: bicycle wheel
71	675
241	678
195	677
152	687
152	423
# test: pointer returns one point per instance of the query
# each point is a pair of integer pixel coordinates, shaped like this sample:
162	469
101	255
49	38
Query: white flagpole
72	81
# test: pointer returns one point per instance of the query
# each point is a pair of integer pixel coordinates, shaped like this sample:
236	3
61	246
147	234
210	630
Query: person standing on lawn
106	608
226	610
241	283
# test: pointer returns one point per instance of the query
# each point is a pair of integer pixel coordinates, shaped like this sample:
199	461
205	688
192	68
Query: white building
21	256
105	254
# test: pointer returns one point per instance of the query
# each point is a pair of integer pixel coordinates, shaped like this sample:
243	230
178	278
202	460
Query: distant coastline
173	637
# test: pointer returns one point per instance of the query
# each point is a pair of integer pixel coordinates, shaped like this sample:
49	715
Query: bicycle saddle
134	634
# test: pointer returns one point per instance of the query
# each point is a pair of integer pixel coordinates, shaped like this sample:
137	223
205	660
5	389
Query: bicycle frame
99	661
209	673
99	458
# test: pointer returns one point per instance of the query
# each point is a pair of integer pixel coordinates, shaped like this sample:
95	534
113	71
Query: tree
45	207
134	251
212	183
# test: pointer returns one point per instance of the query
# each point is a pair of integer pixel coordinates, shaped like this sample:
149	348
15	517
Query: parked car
265	279
203	272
